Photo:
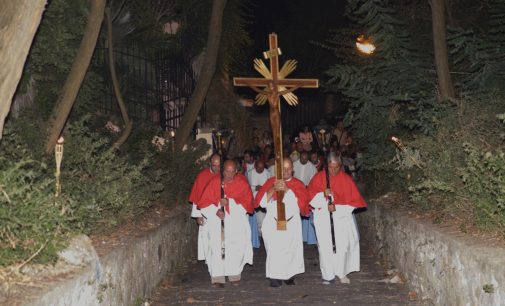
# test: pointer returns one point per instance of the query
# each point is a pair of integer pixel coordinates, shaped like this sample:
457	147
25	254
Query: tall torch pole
58	155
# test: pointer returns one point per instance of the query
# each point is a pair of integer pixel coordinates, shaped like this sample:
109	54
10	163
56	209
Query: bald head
229	170
287	168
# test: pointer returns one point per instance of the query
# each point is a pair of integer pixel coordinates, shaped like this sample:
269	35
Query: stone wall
444	266
129	272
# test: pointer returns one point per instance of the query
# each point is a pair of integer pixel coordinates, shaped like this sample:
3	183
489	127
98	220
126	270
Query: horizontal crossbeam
301	83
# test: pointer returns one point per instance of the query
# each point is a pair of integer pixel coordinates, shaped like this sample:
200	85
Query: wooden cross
274	85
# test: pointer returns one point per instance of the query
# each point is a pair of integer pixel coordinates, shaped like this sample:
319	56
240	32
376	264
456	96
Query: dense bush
100	188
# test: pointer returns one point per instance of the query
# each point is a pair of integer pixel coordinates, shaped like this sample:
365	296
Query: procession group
236	204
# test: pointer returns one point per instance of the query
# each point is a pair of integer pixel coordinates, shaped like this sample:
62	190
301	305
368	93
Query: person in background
305	171
306	138
258	176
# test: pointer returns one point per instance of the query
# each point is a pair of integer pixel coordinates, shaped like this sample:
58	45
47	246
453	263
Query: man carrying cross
337	202
284	247
275	226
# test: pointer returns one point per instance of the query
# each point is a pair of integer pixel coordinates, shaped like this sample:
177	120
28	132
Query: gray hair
334	158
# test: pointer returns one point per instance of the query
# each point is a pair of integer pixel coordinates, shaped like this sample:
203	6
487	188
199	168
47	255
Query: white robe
249	168
203	241
258	179
304	172
237	237
346	259
284	248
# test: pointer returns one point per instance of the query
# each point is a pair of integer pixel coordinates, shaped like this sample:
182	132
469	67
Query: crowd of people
312	141
235	207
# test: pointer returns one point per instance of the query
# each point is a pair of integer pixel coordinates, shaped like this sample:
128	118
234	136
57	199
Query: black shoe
275	283
290	282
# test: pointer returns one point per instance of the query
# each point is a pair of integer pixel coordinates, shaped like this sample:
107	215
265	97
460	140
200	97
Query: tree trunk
65	102
206	74
115	84
19	20
445	87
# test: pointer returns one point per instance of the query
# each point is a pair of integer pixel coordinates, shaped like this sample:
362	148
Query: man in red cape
202	179
345	198
284	248
237	203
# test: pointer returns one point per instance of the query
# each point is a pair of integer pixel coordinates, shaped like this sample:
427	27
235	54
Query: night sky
298	24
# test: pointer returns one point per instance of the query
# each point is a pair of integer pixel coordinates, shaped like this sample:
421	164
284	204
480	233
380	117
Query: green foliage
463	169
53	50
484	178
106	187
29	213
477	53
99	189
391	91
180	170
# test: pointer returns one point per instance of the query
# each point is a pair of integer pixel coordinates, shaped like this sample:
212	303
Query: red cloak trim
295	185
202	179
342	186
238	189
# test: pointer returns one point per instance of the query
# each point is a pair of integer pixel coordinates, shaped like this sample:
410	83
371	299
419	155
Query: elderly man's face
215	164
229	171
287	169
333	168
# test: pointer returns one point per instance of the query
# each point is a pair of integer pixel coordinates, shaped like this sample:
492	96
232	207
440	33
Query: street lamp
365	45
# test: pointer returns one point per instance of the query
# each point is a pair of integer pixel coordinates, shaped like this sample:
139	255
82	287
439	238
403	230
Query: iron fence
156	86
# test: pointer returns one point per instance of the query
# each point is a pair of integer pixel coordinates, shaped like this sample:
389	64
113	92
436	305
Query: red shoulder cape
202	179
295	185
342	186
238	189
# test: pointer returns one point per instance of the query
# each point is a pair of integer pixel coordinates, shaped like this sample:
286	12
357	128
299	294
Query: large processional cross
270	88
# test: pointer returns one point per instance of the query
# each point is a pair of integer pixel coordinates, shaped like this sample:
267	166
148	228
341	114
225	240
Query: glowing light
365	45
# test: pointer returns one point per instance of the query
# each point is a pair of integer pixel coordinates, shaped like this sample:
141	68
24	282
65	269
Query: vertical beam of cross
272	85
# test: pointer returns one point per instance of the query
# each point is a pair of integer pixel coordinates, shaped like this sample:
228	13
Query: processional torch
328	187
398	143
58	155
221	173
